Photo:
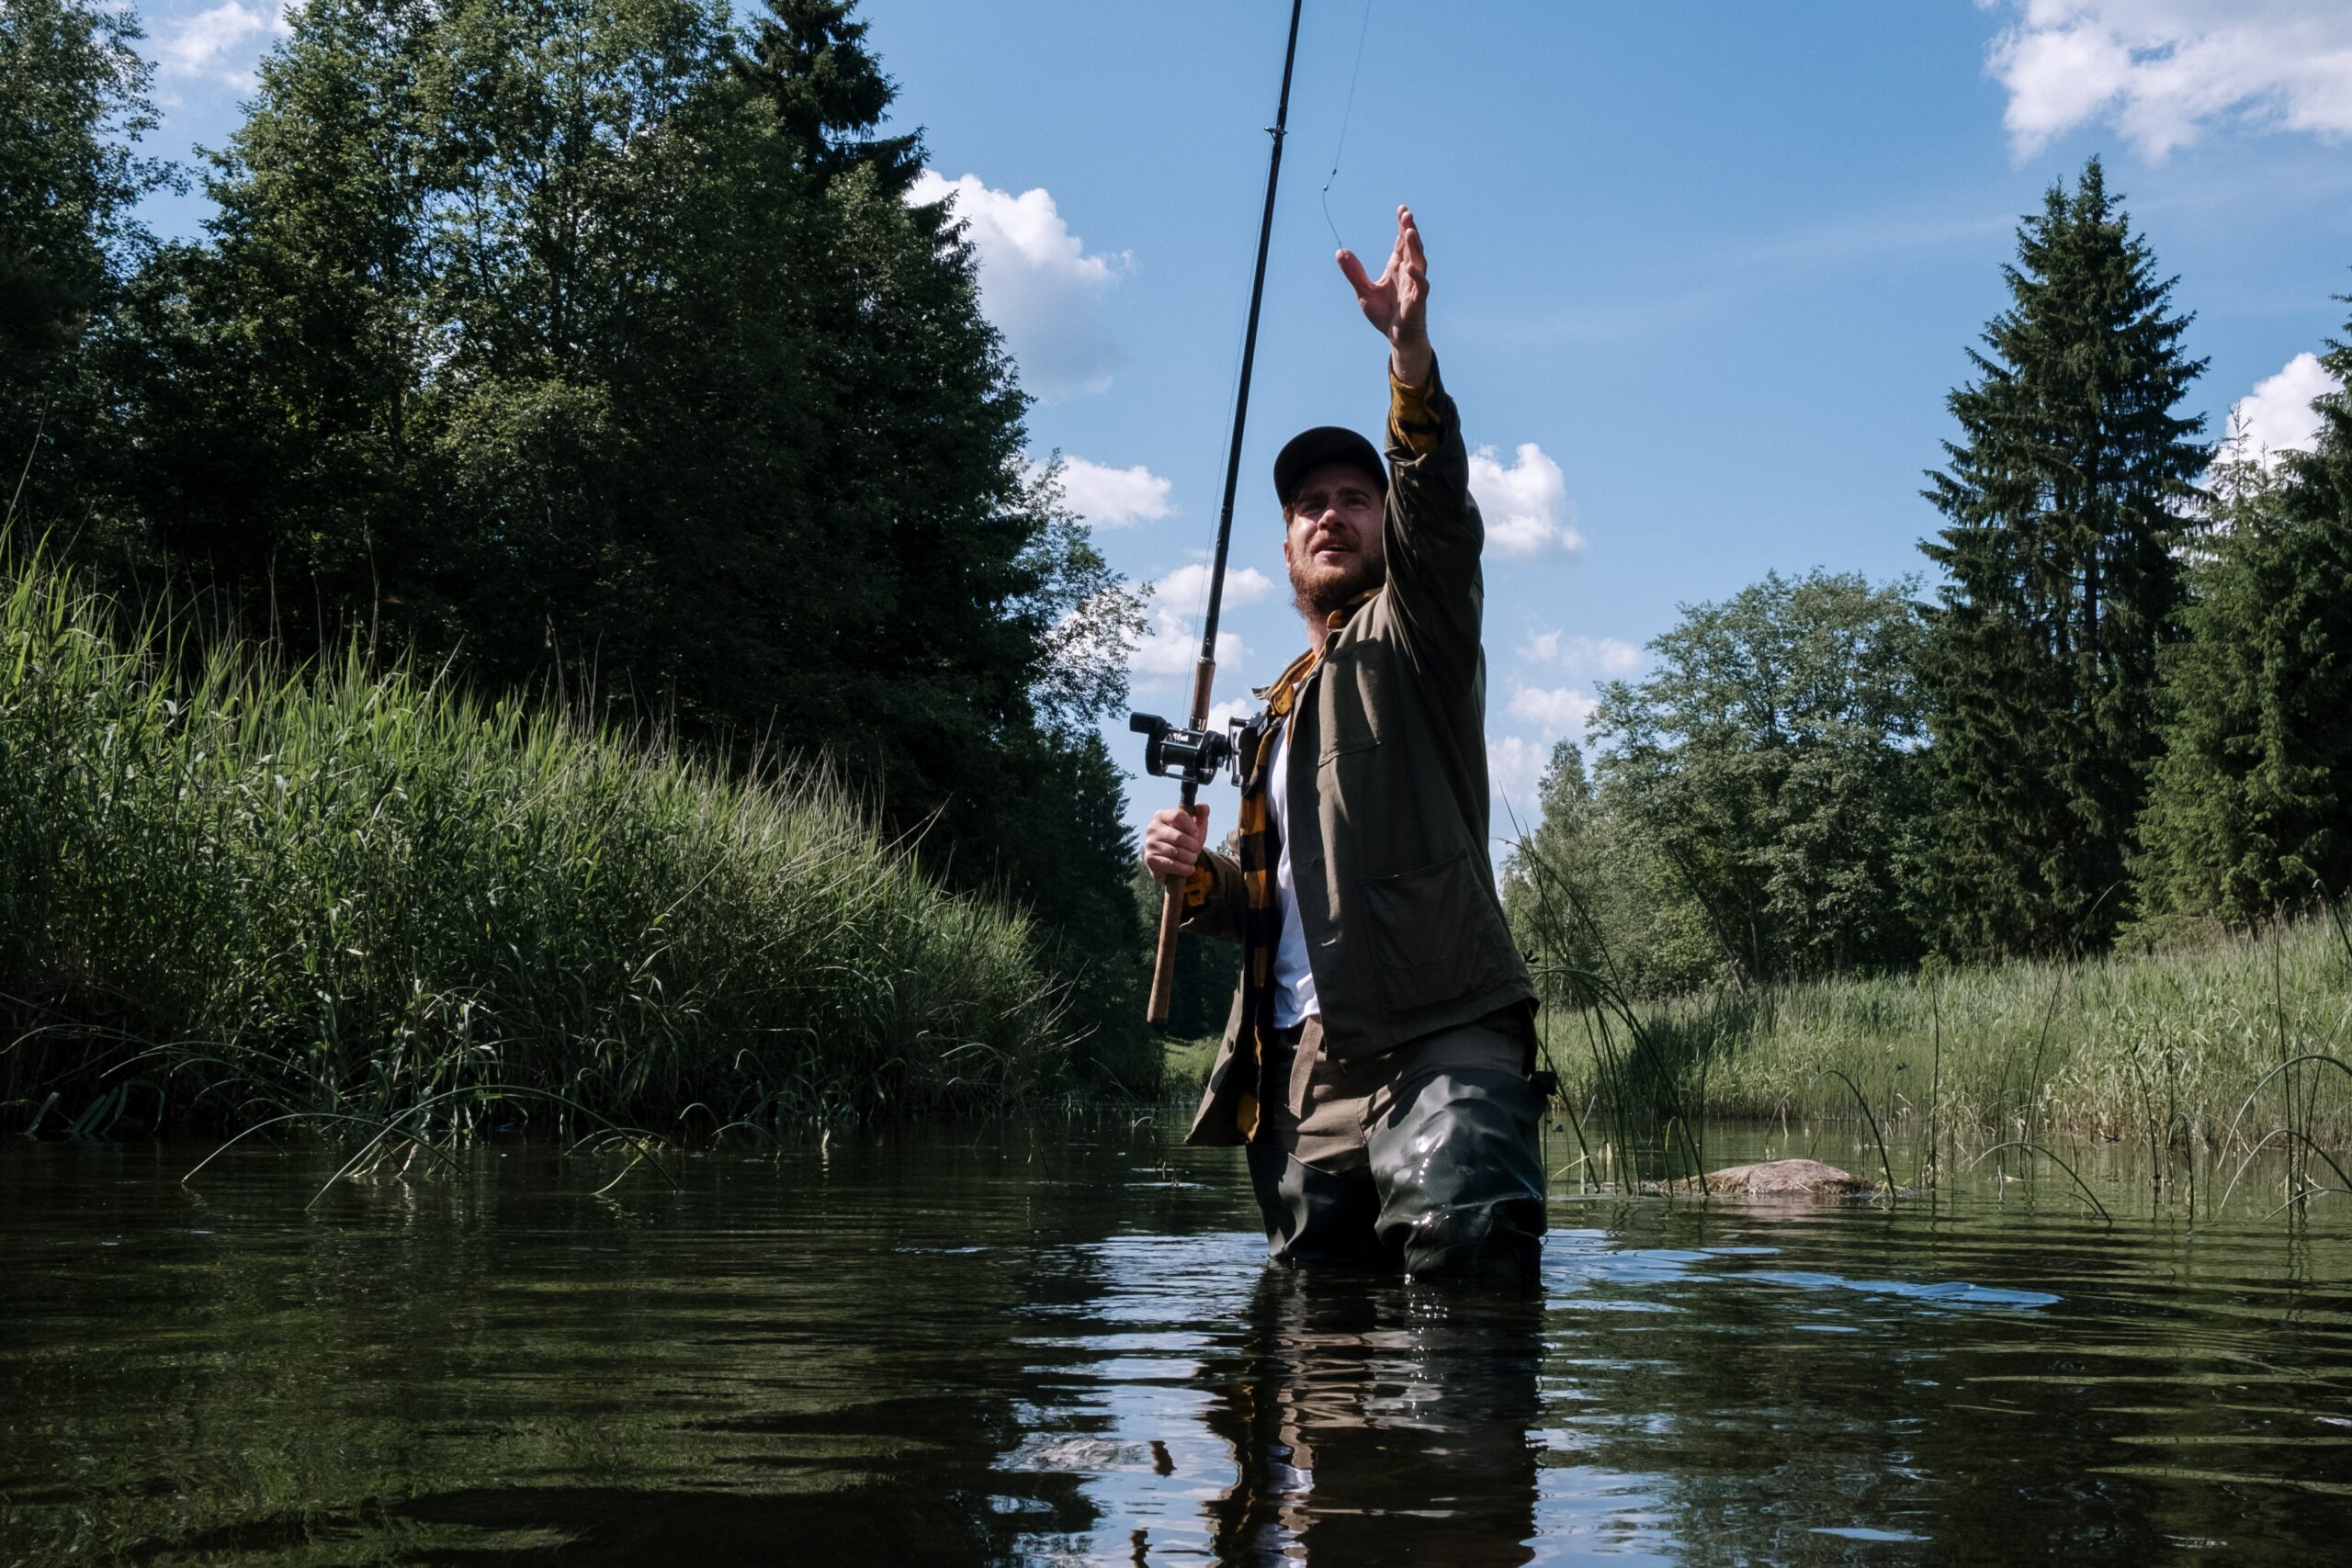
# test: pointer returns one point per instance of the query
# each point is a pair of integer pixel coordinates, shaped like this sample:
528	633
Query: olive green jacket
1388	851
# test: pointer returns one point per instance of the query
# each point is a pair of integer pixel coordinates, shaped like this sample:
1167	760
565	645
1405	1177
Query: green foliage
809	58
2115	1046
74	102
596	343
73	90
2248	811
488	347
2065	497
330	891
1073	857
1770	764
1595	904
279	414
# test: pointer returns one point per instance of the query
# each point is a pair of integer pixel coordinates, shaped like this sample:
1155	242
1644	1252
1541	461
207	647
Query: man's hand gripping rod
1195	755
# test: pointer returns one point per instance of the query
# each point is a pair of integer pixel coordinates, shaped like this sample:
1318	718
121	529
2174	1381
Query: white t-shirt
1294	980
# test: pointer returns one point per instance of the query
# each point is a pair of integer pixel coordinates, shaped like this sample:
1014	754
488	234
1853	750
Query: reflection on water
1056	1343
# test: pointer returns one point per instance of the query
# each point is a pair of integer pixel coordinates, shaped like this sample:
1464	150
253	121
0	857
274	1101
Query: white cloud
1221	713
1171	643
1558	710
1114	498
1525	505
1038	285
1515	768
2277	416
2165	71
1187	588
1582	655
222	43
1169	646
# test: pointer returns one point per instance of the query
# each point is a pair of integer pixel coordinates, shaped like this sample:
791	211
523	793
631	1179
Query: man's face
1331	539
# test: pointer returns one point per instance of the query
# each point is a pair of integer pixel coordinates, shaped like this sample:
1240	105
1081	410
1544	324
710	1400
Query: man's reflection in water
1373	1421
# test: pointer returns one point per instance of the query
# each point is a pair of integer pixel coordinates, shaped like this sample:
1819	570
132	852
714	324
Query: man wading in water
1377	1058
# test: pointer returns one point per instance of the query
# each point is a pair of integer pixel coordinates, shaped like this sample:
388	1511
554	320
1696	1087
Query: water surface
1056	1342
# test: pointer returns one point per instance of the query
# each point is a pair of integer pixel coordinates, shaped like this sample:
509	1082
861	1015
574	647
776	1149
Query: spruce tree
2065	496
810	58
2250	809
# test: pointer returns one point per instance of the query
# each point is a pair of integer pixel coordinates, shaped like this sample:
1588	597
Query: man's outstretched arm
1396	302
1433	530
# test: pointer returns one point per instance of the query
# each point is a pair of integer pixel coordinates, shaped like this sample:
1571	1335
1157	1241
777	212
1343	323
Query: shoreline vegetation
2105	1048
694	406
2163	1045
235	891
2195	1061
575	606
231	891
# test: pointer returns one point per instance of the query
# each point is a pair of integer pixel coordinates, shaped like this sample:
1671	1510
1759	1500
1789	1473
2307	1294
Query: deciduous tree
1595	907
73	103
1770	762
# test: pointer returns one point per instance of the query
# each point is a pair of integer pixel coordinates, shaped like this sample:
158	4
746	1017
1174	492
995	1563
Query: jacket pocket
1355	701
1431	932
1348	726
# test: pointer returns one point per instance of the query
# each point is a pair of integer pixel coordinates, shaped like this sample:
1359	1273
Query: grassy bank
1185	1064
2164	1046
241	893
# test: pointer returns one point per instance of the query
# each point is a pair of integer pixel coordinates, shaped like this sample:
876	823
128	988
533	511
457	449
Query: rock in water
1788	1179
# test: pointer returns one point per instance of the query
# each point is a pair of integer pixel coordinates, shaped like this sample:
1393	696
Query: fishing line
1345	115
1198	613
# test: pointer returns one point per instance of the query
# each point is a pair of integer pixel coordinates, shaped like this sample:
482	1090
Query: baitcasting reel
1196	756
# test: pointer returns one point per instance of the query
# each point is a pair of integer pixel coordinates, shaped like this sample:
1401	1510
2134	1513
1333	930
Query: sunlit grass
2109	1046
1185	1064
230	890
2197	1060
2199	1057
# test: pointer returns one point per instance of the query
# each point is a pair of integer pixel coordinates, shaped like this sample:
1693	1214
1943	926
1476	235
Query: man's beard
1318	590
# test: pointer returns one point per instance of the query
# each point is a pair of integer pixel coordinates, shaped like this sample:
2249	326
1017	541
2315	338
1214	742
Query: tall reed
231	890
2130	1046
2215	1051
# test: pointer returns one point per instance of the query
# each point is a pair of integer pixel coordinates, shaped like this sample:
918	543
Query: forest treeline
591	349
596	349
2124	712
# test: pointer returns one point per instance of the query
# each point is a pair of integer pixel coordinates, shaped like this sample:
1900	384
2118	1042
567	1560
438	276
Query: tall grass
2199	1060
2110	1047
230	891
2215	1052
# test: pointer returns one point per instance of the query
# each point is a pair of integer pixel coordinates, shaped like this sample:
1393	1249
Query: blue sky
1701	273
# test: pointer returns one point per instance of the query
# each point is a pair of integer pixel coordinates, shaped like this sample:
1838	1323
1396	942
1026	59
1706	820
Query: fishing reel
1196	756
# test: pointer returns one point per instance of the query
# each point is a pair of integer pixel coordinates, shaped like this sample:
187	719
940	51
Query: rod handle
1171	905
1163	963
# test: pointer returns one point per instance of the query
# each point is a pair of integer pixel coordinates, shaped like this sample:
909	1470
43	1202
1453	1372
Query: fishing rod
1197	755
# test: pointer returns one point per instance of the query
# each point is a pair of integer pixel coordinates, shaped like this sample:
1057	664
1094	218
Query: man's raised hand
1396	301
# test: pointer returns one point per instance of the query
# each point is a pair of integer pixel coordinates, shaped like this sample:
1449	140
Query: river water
1056	1342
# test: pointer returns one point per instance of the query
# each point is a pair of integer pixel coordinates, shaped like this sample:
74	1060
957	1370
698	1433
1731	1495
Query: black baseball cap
1311	449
